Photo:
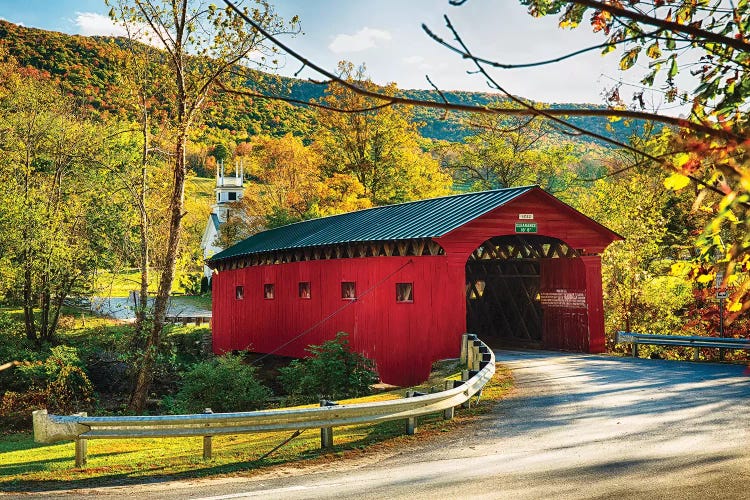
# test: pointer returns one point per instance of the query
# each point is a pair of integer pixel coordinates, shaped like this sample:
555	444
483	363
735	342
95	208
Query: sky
386	35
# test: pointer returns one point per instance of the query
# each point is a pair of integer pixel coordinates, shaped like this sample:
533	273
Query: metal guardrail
478	358
681	341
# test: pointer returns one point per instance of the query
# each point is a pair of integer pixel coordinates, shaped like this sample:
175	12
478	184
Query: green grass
121	283
202	301
27	466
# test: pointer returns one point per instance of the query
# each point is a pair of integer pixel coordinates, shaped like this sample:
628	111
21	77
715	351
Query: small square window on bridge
404	292
268	291
304	290
239	292
348	290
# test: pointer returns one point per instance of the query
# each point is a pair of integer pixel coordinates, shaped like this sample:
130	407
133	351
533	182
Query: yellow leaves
568	24
681	269
676	182
734	306
629	58
680	159
745	180
653	51
705	279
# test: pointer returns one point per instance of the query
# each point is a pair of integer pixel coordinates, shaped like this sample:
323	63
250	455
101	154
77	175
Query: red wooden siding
565	324
377	325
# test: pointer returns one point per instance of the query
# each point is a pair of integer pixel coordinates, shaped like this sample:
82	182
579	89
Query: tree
202	44
133	162
50	184
289	186
220	153
377	145
514	151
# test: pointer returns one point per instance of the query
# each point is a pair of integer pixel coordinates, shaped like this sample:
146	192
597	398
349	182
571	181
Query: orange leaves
601	21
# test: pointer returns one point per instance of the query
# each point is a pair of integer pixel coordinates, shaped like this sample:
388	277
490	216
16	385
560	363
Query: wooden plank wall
403	338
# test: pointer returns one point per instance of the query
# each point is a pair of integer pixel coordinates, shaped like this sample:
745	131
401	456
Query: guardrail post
207	440
635	347
326	433
82	447
477	355
465	375
464	349
448	413
411	422
697	355
81	452
471	352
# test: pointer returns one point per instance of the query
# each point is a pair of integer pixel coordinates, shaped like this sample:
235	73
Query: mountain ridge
88	67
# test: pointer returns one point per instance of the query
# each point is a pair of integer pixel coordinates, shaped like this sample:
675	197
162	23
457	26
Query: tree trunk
44	310
146	372
142	308
28	304
28	290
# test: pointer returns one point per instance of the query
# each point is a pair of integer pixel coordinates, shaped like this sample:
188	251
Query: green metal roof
430	218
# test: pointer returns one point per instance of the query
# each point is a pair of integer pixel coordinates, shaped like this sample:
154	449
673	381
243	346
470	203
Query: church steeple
228	189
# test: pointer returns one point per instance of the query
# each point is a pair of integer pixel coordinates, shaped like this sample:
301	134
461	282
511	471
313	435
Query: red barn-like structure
515	266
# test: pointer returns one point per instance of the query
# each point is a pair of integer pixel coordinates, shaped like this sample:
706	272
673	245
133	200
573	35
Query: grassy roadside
121	283
27	466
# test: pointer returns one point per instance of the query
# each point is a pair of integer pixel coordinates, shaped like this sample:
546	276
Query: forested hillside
89	69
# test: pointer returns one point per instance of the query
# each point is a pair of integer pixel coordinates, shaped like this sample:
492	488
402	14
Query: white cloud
19	23
91	23
413	59
364	39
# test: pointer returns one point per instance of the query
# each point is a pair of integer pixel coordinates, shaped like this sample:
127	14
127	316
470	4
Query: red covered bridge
515	266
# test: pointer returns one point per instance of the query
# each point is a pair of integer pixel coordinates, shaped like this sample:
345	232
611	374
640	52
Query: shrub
16	408
224	384
333	371
70	391
14	346
59	384
36	375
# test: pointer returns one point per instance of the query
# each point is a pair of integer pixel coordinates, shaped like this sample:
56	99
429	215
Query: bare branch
689	29
617	113
543	113
496	64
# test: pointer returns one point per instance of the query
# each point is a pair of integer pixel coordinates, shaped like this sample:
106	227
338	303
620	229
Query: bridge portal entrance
527	291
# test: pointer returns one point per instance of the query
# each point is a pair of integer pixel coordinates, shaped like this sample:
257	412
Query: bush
70	391
14	346
59	384
333	371
16	408
224	384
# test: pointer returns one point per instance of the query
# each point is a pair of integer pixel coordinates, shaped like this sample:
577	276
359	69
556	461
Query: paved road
576	427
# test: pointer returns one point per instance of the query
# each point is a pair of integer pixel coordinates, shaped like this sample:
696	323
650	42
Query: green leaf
673	69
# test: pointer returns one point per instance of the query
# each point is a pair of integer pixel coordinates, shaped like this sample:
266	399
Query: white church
229	189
